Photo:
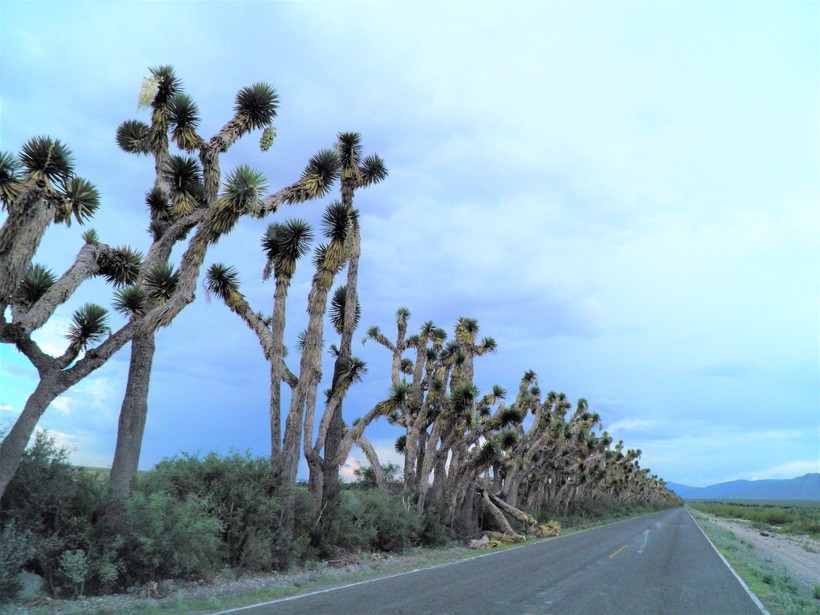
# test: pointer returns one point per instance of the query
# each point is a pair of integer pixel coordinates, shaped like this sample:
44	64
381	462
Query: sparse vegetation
793	518
770	582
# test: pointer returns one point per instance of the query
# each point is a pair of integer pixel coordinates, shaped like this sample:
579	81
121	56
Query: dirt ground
799	555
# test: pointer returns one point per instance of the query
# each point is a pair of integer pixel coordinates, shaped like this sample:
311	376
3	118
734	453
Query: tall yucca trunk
14	444
133	414
335	431
277	366
19	238
310	373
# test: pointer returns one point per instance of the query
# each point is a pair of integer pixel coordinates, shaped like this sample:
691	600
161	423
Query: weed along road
658	563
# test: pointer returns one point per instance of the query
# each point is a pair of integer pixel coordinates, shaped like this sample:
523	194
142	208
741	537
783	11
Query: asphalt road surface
659	564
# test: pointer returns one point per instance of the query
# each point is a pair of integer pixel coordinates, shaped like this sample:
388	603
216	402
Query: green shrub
74	565
53	503
63	525
434	531
370	521
156	537
15	550
240	495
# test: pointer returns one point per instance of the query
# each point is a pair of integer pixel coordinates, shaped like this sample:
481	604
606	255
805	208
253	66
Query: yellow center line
618	551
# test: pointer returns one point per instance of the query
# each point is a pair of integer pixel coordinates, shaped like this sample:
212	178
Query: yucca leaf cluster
47	166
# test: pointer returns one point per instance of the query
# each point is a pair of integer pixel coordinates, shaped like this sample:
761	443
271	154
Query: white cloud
348	470
788	470
62	439
384	450
63	405
633	425
7	408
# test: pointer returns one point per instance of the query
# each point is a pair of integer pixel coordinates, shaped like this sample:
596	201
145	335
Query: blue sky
625	195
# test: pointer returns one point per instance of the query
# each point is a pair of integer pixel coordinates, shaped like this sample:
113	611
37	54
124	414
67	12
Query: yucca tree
37	188
190	196
356	173
284	245
329	258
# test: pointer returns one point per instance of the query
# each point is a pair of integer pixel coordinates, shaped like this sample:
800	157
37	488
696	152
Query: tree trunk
133	414
336	429
277	367
14	444
364	444
411	454
19	238
310	373
316	480
335	432
497	515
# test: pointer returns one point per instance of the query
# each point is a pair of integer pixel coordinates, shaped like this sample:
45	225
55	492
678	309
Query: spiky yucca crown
223	281
35	284
183	175
120	266
160	283
337	309
48	164
284	244
89	325
130	301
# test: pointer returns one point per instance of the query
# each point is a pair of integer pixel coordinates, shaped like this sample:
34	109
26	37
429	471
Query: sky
624	195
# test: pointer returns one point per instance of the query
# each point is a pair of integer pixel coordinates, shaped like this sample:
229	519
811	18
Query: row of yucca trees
466	454
470	455
190	202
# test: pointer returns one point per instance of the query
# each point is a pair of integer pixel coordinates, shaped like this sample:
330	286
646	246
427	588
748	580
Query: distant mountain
801	488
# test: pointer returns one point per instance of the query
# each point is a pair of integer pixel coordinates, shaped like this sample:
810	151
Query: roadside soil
177	596
799	555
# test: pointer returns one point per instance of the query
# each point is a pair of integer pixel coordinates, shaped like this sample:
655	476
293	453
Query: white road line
645	539
401	574
754	598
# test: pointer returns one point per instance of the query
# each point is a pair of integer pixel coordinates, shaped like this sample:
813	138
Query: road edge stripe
414	571
754	598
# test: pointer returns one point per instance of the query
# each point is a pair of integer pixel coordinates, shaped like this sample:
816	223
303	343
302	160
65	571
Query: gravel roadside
799	555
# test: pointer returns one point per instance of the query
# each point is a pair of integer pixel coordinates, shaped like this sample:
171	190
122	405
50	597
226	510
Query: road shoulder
764	572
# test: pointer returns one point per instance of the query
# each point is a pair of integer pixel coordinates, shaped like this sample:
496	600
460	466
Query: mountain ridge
806	487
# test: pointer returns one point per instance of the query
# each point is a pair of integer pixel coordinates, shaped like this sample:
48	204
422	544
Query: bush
15	550
370	521
239	492
54	505
156	537
434	532
63	525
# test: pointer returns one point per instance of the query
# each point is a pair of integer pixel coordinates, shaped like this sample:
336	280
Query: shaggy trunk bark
439	476
411	454
335	431
316	481
277	357
20	236
133	414
373	458
310	373
519	515
497	515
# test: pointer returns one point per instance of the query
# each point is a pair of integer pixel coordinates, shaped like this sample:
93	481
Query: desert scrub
791	518
769	582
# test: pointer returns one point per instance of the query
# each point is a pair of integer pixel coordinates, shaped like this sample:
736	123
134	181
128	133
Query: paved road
659	564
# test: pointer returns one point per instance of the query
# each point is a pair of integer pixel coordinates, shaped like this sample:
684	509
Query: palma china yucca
500	462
